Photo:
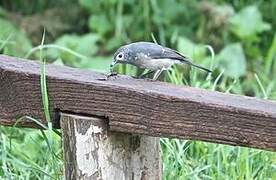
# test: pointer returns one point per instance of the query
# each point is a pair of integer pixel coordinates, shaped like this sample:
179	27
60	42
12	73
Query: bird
151	56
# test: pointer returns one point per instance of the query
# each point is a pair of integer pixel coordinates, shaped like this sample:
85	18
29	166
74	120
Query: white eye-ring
120	56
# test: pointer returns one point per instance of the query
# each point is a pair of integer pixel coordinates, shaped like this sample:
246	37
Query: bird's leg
145	73
157	74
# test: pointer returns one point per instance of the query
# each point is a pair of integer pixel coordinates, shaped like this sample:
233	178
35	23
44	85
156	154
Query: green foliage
189	48
26	155
270	58
232	60
99	24
12	41
242	34
199	160
101	64
248	23
84	45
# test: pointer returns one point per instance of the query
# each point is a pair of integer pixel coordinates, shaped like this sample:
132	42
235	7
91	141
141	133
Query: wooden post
92	152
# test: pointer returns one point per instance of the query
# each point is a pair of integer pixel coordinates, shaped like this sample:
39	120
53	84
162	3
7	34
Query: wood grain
137	106
92	152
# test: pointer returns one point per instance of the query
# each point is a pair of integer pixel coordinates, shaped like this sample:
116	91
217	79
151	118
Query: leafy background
85	34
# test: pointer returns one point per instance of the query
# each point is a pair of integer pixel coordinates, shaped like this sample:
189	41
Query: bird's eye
120	56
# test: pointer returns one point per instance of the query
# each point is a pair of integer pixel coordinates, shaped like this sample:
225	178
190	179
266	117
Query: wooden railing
110	125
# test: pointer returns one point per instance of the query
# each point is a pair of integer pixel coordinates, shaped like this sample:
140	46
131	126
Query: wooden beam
137	106
92	152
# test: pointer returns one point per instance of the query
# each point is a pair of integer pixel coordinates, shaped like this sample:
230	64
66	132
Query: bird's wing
167	53
155	51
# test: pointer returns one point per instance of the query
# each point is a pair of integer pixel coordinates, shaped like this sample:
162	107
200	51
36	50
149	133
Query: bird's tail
186	59
200	67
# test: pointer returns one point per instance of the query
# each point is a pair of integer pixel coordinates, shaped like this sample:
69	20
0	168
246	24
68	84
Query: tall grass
29	153
185	159
36	154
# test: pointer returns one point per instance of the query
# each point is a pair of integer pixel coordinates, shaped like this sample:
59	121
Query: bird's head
122	55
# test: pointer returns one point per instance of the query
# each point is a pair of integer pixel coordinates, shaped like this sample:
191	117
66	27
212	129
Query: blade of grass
6	41
211	50
55	47
44	93
45	101
231	86
216	80
25	118
153	38
4	157
31	119
261	85
48	143
270	56
43	84
35	167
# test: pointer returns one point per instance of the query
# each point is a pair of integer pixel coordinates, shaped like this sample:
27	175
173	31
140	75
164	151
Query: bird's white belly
155	64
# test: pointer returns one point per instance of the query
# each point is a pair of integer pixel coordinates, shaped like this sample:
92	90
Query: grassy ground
244	41
199	160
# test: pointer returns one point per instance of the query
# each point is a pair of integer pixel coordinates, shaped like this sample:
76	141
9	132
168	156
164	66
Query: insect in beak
112	65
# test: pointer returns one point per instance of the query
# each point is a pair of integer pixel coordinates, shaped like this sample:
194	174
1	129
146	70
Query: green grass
183	159
29	153
40	157
26	155
37	154
199	160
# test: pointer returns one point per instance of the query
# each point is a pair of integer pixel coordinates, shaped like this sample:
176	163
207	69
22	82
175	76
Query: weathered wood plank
91	152
138	106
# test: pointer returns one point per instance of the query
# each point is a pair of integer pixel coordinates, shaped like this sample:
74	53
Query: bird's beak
112	65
